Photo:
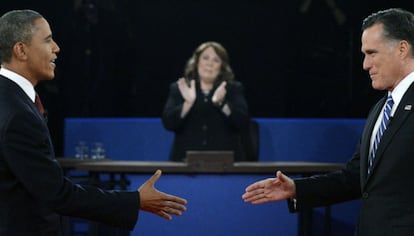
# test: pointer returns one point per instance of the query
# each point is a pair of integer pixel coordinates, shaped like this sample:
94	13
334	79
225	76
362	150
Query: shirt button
205	99
365	195
204	127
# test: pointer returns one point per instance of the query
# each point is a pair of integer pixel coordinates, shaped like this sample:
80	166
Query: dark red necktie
39	105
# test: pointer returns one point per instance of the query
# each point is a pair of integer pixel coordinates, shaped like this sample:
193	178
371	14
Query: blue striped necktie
383	126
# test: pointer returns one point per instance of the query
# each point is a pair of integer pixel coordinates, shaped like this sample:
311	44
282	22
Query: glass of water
97	151
81	150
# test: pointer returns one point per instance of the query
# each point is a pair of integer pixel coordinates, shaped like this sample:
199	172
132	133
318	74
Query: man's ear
19	50
404	48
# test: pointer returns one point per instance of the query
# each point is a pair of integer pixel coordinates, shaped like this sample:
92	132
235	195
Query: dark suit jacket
33	189
387	205
206	127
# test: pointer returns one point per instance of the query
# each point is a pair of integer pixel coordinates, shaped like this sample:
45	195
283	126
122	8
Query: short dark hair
16	26
397	23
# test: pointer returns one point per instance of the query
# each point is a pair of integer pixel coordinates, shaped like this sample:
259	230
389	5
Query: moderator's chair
249	140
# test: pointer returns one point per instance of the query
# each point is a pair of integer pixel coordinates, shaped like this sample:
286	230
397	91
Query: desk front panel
215	208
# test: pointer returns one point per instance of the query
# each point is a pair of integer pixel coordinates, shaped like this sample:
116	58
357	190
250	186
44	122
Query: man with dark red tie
33	190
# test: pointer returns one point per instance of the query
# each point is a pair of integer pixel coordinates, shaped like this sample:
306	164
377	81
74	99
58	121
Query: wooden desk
141	167
68	162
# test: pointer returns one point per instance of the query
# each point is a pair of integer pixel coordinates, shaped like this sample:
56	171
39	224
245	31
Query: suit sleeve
239	117
327	189
171	116
29	155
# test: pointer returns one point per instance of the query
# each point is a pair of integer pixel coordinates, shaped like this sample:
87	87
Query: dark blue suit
387	206
33	189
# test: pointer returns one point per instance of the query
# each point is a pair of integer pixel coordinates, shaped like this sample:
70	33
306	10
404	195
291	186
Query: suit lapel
12	86
404	109
366	137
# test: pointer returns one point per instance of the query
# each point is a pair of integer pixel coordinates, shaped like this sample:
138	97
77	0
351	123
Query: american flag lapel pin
408	107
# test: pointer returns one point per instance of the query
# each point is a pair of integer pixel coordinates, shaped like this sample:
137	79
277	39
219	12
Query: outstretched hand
270	190
159	203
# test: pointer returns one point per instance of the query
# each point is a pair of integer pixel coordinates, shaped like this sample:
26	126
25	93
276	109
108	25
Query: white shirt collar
20	81
400	90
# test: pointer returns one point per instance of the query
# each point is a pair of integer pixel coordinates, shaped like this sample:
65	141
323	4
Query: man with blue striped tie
381	170
380	128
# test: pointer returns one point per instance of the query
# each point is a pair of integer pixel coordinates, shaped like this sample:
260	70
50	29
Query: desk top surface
141	167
